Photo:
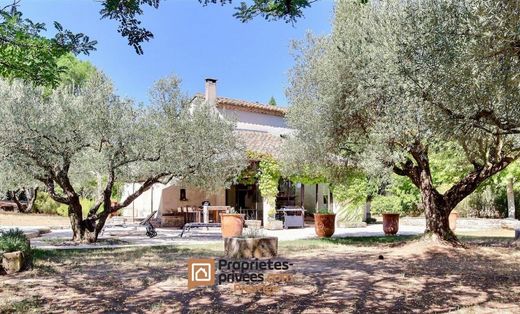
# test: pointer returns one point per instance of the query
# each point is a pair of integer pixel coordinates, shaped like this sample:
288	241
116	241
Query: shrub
387	204
349	213
501	203
46	205
15	240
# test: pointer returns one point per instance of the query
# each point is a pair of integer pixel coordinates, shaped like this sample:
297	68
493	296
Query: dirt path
333	279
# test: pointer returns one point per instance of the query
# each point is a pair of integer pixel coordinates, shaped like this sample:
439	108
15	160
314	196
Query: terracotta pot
453	220
231	225
324	225
390	223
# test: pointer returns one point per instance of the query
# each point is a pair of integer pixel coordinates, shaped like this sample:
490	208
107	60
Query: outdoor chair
150	229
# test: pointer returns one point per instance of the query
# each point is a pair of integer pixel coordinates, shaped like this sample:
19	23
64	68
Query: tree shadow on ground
411	278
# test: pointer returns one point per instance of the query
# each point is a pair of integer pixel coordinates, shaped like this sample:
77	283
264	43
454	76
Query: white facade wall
254	121
309	201
146	203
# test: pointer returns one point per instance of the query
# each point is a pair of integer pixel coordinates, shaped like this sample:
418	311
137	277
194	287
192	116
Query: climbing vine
268	176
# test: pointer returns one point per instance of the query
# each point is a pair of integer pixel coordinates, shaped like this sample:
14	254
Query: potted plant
389	207
232	224
252	244
324	223
15	251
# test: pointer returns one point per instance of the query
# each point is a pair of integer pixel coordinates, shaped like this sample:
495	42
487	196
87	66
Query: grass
214	249
309	244
126	254
68	242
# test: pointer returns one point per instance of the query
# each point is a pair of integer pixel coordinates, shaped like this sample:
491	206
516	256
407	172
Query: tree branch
144	187
472	180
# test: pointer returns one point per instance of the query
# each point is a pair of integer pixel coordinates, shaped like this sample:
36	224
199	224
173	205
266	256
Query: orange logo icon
201	272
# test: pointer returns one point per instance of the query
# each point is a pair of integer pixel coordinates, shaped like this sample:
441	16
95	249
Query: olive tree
74	136
396	79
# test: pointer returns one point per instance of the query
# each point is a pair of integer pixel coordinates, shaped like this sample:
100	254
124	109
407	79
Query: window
183	195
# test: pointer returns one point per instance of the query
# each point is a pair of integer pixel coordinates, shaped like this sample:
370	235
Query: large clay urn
232	225
453	220
390	223
324	225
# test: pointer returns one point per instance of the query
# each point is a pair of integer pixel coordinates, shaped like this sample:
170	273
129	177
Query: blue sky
249	60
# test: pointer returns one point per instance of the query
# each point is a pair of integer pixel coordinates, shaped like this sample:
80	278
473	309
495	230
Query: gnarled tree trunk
436	212
437	206
32	194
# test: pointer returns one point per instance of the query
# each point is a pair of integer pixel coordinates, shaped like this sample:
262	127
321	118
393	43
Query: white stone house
261	128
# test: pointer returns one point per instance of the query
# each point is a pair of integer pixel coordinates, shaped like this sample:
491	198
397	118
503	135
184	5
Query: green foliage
75	72
408	194
400	81
288	11
125	12
14	240
26	54
272	101
448	164
387	204
489	201
46	205
268	176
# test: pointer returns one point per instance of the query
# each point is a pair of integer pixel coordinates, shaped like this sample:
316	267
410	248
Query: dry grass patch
390	274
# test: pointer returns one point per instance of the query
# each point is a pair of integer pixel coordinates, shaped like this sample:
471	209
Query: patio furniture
150	229
249	213
292	217
190	225
207	211
121	221
214	212
173	218
192	214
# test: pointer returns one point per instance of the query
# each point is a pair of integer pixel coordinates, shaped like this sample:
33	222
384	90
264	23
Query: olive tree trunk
437	206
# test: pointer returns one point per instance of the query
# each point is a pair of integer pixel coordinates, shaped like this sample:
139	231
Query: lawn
376	274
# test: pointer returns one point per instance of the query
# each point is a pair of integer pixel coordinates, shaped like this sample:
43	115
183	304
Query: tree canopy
75	136
27	53
396	79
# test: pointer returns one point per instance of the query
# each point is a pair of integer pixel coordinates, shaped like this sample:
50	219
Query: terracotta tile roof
242	105
261	142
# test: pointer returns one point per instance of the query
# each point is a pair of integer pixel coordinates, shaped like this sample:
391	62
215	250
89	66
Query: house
262	129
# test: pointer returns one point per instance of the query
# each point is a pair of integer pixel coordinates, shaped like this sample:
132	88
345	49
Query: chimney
211	91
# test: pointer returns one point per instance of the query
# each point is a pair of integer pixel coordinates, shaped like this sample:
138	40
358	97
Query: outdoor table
215	212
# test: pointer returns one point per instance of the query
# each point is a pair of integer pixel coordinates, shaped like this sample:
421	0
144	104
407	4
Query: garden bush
15	240
383	204
46	205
